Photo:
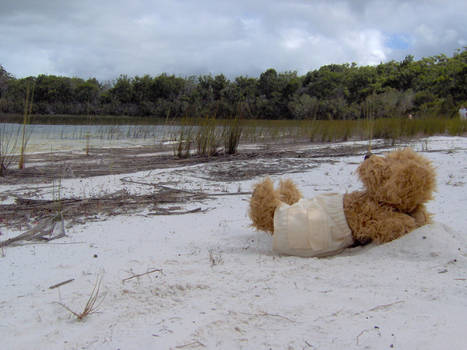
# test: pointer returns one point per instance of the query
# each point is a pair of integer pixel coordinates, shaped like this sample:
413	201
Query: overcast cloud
106	38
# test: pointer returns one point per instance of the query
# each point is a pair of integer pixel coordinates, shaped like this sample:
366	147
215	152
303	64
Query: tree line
431	86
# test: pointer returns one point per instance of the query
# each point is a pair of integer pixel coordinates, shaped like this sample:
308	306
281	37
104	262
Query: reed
183	138
231	133
8	144
26	121
457	127
207	138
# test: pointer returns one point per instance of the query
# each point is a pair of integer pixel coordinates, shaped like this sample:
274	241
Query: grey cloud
106	38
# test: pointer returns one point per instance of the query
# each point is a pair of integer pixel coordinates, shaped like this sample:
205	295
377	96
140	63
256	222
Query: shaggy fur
266	199
403	179
288	192
396	188
263	203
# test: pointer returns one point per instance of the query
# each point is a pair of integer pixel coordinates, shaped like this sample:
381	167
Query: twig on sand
230	194
385	306
90	307
127	180
276	315
110	204
262	313
195	343
215	259
163	211
141	274
357	339
61	283
155	185
25	209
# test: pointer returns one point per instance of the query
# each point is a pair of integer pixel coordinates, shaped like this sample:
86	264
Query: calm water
67	137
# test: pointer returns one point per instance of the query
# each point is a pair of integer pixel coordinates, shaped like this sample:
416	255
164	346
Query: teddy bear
396	187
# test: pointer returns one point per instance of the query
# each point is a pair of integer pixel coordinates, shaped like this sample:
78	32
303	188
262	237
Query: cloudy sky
106	38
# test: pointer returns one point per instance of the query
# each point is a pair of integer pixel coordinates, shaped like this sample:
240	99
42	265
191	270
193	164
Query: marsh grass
392	129
25	135
183	139
8	144
208	137
231	134
457	127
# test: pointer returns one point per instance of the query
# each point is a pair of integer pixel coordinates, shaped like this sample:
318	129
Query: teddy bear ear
373	172
411	183
410	186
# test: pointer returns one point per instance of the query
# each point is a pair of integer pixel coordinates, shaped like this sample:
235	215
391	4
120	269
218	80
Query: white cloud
106	38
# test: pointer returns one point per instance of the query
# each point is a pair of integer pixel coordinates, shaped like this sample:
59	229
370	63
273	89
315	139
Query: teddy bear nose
368	155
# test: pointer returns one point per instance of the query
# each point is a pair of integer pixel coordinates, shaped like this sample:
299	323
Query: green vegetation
231	133
8	142
430	87
26	121
206	115
393	129
207	137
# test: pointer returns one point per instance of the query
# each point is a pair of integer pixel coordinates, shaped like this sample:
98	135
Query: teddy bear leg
289	193
263	203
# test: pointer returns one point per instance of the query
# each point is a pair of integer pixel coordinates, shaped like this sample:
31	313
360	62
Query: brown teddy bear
392	203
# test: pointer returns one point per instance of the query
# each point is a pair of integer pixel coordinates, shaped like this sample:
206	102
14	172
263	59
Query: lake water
43	138
64	137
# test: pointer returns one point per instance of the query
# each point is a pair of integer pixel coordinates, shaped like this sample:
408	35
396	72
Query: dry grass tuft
90	307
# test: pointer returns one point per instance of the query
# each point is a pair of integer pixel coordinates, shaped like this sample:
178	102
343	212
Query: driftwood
74	208
141	274
61	283
46	230
49	213
127	180
164	211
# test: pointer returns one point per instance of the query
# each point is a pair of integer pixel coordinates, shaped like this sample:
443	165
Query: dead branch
276	315
357	339
162	211
262	313
385	306
127	180
195	343
61	283
229	194
114	203
45	228
141	274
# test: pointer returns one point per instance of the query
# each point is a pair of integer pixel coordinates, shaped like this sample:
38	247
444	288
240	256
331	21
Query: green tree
122	91
5	78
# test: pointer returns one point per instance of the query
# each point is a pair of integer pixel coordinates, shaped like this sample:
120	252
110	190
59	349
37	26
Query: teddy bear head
403	179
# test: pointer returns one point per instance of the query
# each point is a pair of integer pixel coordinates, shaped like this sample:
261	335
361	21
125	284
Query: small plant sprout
215	259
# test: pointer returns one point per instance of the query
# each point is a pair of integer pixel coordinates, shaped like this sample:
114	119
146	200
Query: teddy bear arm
389	225
370	221
421	216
